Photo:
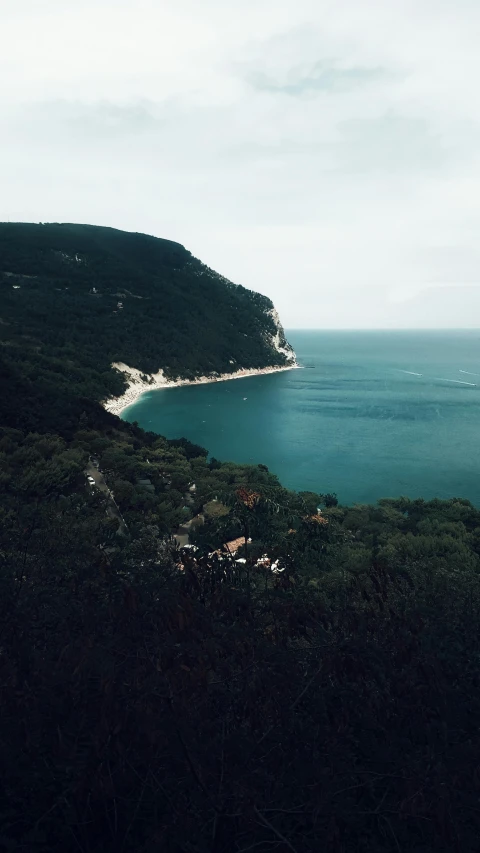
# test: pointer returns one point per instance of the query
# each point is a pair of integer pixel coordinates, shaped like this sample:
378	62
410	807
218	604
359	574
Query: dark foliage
61	327
224	707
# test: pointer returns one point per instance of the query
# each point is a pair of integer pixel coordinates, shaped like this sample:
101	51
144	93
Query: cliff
78	299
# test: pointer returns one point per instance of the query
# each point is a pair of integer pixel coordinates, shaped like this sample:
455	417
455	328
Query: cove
371	415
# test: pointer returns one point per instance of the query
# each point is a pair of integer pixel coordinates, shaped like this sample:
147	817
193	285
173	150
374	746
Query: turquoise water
372	414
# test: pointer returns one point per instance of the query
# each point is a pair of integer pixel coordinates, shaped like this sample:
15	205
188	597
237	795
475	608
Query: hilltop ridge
77	299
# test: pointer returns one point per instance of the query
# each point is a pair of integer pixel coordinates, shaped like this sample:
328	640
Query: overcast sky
323	152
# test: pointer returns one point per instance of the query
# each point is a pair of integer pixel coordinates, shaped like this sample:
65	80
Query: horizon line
383	329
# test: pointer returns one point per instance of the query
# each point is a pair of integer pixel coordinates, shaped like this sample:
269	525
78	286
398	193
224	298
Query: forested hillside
319	689
304	678
75	298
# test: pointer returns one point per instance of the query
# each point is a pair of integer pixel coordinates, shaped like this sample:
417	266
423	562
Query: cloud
325	154
391	144
321	77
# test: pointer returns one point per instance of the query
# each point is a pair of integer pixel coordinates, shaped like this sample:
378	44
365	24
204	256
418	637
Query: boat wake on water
442	379
458	381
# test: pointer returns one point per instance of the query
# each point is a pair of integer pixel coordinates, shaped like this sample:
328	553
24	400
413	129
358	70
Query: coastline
138	386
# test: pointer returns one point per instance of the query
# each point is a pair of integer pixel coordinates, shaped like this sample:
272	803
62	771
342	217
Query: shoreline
157	381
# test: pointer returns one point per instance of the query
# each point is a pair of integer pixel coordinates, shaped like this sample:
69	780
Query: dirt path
112	508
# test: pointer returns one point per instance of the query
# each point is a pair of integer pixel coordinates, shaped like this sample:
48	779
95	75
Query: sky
323	152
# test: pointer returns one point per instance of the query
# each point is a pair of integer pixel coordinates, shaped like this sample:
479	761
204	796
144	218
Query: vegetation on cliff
77	298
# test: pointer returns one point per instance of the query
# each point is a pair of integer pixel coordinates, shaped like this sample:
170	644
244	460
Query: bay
370	415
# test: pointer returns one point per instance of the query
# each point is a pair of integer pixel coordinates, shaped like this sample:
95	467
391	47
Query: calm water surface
372	414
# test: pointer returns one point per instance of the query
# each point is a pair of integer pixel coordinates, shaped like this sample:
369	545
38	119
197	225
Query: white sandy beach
137	386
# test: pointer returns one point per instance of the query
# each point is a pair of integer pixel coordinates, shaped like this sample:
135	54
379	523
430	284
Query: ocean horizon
375	413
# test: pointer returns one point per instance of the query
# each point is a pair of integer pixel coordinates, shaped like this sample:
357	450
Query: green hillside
61	322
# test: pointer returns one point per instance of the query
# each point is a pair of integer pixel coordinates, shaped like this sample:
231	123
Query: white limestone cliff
279	341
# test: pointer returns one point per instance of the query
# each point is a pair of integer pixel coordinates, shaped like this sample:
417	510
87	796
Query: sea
371	414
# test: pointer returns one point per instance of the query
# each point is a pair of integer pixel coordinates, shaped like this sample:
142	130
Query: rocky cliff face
279	341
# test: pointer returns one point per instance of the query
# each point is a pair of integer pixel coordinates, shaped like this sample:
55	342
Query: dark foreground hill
75	298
